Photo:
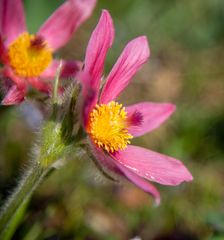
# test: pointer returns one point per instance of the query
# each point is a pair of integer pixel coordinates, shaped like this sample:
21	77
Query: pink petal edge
89	97
153	166
12	20
60	26
152	114
134	55
3	52
103	159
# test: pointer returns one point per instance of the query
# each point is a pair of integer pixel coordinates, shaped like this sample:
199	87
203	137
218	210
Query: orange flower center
108	127
29	55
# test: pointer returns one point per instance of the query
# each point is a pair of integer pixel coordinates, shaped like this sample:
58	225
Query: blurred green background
186	67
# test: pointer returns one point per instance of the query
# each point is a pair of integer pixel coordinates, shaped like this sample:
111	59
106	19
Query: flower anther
108	127
29	55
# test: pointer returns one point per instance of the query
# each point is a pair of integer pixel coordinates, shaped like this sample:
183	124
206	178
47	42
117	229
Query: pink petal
117	168
141	183
153	166
69	69
151	116
135	54
39	84
60	26
12	19
99	43
14	96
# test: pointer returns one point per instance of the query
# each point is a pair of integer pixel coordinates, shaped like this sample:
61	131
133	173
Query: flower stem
35	174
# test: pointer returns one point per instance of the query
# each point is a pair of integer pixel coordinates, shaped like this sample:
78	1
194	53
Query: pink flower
27	58
110	126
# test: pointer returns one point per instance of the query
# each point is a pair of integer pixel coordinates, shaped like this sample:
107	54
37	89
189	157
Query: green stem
31	180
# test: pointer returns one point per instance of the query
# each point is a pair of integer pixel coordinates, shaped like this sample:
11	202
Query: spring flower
28	58
110	126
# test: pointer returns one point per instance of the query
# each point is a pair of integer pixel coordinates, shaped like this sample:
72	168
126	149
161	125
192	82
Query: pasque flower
27	58
110	126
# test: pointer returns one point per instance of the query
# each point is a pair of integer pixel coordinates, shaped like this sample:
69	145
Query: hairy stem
33	177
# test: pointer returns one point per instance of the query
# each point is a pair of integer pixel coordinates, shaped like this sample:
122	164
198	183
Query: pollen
29	55
108	127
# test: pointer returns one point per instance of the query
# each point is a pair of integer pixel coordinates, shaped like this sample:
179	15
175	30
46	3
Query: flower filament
29	55
108	127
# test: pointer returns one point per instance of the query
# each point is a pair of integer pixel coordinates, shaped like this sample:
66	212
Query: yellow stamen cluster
108	127
29	55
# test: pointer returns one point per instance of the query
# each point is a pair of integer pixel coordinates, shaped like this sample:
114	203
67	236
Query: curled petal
69	69
60	26
135	54
113	166
150	116
99	43
14	96
12	19
141	183
153	166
